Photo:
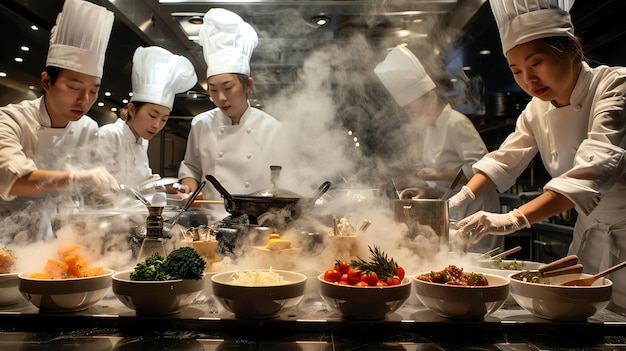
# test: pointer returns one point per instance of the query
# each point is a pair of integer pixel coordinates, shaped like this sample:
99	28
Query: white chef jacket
28	143
453	143
239	156
582	148
124	155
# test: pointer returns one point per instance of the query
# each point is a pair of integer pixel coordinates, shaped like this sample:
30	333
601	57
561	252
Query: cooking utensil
423	216
136	194
453	185
190	201
395	189
588	281
505	253
486	254
565	265
261	201
149	184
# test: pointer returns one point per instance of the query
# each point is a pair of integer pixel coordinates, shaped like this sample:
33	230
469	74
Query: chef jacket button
249	130
221	130
249	155
246	184
577	108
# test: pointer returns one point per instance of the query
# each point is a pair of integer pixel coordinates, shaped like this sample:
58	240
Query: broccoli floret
149	269
184	263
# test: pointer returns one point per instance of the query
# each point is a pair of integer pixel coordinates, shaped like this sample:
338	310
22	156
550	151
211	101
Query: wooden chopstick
506	253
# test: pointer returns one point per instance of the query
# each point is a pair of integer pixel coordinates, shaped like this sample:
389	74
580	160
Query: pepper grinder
153	241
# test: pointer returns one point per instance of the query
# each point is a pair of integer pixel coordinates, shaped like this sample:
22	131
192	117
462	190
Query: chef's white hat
227	42
404	76
79	39
522	21
158	75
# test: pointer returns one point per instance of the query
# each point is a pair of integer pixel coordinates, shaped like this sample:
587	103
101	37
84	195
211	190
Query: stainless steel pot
423	216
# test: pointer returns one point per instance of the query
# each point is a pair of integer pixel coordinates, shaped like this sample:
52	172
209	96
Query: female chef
450	142
576	121
157	76
234	141
41	138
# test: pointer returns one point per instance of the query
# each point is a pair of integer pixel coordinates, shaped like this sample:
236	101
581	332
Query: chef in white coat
577	123
451	142
157	76
41	139
234	142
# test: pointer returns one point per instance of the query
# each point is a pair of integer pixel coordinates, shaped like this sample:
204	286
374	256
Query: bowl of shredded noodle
259	293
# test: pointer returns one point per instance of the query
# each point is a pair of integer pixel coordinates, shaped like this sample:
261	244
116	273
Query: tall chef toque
522	21
79	39
227	42
404	76
158	75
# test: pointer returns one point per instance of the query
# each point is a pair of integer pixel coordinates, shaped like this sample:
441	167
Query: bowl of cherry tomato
379	284
456	294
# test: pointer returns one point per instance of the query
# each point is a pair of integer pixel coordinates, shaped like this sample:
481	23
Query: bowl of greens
504	268
161	285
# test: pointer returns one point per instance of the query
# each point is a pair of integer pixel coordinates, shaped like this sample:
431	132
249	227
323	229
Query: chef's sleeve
14	163
467	143
505	165
191	165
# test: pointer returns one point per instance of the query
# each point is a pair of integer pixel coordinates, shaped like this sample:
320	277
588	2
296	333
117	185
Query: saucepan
260	202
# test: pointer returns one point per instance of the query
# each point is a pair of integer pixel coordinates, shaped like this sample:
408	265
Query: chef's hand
476	226
418	193
429	174
465	195
97	177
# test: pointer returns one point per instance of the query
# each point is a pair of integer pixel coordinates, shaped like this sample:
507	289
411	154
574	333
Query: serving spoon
589	280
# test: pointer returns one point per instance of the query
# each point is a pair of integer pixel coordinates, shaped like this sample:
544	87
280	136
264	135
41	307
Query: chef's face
421	110
147	120
229	94
70	96
543	71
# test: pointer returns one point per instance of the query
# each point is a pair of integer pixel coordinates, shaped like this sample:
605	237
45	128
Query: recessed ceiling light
125	101
130	94
32	87
107	93
34	27
3	74
101	104
485	52
467	68
24	48
19	59
114	109
321	20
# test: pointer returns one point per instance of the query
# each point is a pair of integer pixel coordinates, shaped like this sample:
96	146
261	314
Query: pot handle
321	190
225	194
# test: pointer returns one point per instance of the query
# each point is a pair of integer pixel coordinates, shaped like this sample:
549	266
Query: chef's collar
228	121
441	119
130	136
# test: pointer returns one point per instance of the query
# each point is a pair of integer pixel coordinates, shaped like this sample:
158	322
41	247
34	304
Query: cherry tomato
361	283
400	273
332	275
393	281
344	278
354	276
342	282
371	278
381	283
342	266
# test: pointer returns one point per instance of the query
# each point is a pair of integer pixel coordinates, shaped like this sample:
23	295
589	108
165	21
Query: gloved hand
97	177
476	226
429	174
464	196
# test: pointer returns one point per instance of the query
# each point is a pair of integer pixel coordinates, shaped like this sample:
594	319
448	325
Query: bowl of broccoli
161	285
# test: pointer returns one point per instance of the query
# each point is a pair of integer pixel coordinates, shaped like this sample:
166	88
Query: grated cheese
258	278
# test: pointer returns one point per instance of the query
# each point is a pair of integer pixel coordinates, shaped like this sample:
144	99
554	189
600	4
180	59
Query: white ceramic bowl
155	298
65	295
259	302
492	267
562	303
364	303
463	302
9	289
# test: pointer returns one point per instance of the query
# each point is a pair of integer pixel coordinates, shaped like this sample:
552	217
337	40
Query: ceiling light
101	104
195	20
32	87
24	48
34	27
19	59
485	52
130	94
107	93
467	68
3	74
125	101
113	109
321	20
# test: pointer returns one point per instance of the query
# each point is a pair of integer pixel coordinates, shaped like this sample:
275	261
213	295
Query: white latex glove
464	196
476	226
97	177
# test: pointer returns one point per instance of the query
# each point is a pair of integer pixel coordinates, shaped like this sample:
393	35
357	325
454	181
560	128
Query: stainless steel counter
204	325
